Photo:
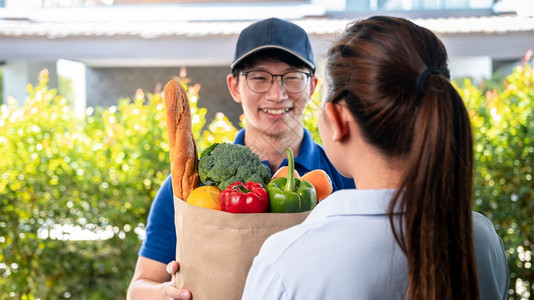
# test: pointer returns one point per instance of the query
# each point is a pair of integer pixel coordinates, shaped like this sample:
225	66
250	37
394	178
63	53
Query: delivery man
279	53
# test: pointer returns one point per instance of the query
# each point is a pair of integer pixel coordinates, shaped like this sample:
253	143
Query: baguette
183	150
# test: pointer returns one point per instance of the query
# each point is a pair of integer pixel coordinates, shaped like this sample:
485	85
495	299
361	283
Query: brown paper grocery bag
215	249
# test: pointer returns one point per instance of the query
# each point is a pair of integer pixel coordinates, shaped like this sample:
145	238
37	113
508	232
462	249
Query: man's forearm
147	289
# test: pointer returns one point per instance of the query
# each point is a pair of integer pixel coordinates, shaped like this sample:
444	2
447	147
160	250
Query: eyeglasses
261	81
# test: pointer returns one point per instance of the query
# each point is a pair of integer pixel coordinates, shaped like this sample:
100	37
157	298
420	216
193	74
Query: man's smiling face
275	113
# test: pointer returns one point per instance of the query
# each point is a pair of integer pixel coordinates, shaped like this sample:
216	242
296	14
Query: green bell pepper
290	194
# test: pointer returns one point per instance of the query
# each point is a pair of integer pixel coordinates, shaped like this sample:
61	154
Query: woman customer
392	121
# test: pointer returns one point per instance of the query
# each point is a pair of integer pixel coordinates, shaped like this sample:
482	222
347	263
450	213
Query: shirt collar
354	202
307	157
240	137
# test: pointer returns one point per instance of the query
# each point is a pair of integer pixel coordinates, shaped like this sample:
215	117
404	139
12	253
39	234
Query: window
197	1
396	5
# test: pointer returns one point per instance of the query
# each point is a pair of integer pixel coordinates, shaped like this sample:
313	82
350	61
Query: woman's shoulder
482	225
491	259
484	233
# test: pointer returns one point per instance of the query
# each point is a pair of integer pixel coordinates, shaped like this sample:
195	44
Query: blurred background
83	145
109	48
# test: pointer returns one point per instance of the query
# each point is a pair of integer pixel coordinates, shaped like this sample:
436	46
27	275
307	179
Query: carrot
321	181
282	172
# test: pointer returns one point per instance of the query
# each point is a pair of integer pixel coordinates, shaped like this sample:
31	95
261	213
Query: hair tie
422	77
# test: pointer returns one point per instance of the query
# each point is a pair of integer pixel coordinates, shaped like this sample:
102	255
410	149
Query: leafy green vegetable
222	164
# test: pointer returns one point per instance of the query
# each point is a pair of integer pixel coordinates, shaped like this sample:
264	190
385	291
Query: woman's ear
233	87
339	118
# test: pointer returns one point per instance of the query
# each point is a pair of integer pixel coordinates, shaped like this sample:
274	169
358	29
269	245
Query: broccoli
222	164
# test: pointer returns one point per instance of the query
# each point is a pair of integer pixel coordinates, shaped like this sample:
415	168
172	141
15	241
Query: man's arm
154	280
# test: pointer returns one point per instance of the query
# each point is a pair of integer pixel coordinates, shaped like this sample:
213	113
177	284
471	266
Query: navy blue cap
274	33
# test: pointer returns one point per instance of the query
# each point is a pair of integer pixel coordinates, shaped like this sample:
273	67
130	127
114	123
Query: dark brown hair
374	66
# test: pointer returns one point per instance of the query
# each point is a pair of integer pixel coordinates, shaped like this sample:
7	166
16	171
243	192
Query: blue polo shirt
160	241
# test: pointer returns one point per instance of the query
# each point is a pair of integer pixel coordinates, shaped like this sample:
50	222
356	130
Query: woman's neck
373	171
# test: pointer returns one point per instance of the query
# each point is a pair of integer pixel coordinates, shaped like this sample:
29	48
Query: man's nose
277	90
273	79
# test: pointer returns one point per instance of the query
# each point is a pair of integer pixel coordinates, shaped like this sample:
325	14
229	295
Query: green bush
503	128
309	117
100	174
97	174
1	86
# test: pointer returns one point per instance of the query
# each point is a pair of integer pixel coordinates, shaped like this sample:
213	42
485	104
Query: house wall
18	74
106	85
477	68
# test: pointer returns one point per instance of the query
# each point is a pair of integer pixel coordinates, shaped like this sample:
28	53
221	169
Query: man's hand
171	291
155	280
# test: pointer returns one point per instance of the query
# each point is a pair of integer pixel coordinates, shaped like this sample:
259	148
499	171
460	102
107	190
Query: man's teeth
276	111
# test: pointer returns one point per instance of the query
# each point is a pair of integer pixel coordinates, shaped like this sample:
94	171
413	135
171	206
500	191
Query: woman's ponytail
436	196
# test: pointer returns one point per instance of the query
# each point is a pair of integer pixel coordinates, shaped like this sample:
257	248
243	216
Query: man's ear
314	80
338	116
233	87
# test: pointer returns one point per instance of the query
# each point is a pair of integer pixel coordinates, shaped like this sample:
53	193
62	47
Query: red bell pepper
249	197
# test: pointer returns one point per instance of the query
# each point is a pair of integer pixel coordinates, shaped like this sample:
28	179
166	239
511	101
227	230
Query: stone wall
106	85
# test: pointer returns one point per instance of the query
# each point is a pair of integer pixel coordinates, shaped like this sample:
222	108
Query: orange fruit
282	172
320	181
205	196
